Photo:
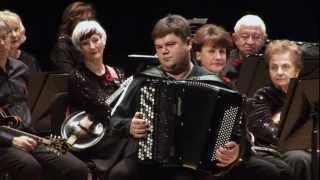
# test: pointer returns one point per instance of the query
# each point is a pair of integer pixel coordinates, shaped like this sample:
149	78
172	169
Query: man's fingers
138	122
138	115
26	146
222	158
139	126
140	131
230	145
219	164
30	143
139	135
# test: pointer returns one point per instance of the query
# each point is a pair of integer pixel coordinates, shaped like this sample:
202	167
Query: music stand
196	23
132	63
143	61
36	83
253	75
51	85
310	67
297	128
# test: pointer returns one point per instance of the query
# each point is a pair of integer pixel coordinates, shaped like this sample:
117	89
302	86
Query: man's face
249	39
5	39
173	53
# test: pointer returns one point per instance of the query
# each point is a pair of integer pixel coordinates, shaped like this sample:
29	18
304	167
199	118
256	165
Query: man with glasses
249	37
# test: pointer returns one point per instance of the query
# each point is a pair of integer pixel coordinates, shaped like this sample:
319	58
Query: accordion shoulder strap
209	77
154	71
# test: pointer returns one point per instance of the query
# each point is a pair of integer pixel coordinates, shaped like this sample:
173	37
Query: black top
13	95
89	91
265	103
64	56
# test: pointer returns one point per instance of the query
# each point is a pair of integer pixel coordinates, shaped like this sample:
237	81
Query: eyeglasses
284	68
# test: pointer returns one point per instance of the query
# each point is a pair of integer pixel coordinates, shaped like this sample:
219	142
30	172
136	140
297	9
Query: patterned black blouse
89	91
265	103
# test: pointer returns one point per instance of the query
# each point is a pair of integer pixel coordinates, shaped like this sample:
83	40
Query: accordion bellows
188	121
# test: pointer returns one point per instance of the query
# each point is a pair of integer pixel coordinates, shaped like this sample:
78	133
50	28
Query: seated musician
90	85
172	40
23	157
64	56
211	46
284	60
19	37
249	37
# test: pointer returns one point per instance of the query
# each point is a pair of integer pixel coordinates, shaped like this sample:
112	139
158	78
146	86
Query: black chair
59	111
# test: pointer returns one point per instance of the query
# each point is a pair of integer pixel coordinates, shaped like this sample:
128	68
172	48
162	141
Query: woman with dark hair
64	56
211	46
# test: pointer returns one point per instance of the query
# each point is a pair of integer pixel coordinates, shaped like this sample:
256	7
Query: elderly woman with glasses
18	34
284	60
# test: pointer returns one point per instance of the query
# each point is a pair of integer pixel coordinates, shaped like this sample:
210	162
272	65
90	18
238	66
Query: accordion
188	121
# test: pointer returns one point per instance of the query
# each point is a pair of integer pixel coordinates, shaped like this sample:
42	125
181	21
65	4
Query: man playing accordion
172	40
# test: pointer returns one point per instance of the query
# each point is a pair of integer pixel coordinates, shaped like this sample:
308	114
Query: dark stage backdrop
128	23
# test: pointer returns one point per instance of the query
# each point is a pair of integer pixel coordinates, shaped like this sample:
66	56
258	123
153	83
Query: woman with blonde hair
18	33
